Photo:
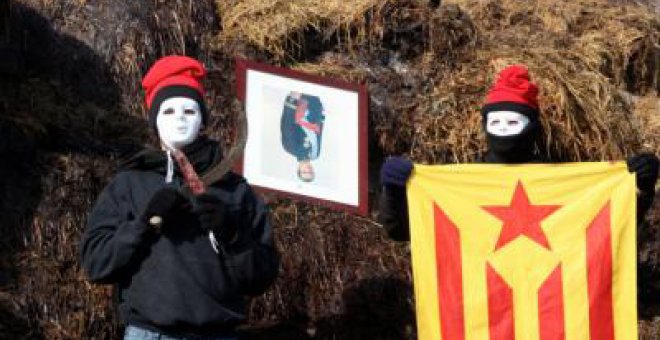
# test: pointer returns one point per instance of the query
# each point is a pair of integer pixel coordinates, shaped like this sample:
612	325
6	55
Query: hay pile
428	67
280	27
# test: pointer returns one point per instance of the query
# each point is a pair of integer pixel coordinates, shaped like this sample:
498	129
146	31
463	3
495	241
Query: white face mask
505	123
178	121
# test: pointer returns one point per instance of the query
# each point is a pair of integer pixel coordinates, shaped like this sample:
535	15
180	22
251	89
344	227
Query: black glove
162	203
645	167
396	171
210	211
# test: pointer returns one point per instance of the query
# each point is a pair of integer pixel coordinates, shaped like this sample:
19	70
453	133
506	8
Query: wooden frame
307	135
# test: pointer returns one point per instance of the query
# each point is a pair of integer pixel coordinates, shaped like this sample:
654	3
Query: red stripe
599	276
500	307
450	276
551	307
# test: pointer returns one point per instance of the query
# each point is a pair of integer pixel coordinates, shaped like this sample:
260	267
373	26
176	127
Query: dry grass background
428	67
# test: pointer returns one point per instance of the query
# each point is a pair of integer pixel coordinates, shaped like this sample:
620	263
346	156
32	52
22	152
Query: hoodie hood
203	154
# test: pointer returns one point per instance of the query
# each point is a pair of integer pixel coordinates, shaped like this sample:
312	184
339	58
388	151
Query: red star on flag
521	218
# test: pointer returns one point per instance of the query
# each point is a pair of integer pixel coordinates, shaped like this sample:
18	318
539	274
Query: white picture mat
267	164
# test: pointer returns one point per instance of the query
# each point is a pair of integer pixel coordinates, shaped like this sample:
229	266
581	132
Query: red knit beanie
173	76
513	91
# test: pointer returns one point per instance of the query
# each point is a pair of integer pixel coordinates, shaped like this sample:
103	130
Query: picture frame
307	136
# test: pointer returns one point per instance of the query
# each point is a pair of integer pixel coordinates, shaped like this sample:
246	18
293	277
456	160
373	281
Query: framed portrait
307	135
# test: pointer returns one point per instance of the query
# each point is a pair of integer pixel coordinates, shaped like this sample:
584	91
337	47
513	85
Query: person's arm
645	168
393	213
644	203
244	239
114	236
253	260
393	208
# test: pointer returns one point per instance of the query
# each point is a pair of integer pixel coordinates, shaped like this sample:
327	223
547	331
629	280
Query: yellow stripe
624	251
423	262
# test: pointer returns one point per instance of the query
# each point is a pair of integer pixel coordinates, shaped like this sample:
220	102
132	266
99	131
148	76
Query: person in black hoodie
182	264
510	119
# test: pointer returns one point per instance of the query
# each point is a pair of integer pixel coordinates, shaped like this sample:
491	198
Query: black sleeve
393	214
644	203
252	259
112	237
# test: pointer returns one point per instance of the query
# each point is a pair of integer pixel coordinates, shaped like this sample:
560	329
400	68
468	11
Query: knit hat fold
513	91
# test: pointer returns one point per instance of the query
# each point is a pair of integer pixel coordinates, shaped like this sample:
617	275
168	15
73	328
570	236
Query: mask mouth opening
176	139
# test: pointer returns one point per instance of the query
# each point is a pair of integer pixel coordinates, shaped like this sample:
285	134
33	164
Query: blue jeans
137	333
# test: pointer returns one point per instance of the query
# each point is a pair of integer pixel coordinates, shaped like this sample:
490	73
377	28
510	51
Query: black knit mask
514	148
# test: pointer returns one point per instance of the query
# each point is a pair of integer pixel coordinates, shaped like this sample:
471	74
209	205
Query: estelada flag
524	252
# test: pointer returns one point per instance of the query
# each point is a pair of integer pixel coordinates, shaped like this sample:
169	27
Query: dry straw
281	26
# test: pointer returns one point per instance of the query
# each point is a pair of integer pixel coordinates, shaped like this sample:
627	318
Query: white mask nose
179	115
179	121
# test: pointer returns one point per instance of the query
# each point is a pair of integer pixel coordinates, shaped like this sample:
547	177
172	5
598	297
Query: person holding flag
182	262
520	252
510	119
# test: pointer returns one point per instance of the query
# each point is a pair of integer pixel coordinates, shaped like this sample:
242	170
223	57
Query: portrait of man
306	135
302	131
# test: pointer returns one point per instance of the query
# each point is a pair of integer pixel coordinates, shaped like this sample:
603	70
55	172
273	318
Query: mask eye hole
189	111
512	123
495	122
168	111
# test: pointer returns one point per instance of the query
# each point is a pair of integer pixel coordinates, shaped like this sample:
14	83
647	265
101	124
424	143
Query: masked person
182	265
302	131
510	118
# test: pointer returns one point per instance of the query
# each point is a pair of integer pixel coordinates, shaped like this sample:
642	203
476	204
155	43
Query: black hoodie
172	281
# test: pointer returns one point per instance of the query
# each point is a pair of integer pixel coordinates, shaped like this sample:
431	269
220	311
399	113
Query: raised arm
244	238
645	167
393	214
114	237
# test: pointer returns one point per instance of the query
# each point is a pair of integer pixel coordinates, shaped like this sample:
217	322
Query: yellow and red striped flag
538	251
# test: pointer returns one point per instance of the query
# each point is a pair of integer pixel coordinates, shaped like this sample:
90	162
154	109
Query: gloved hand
395	171
210	211
162	203
645	167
